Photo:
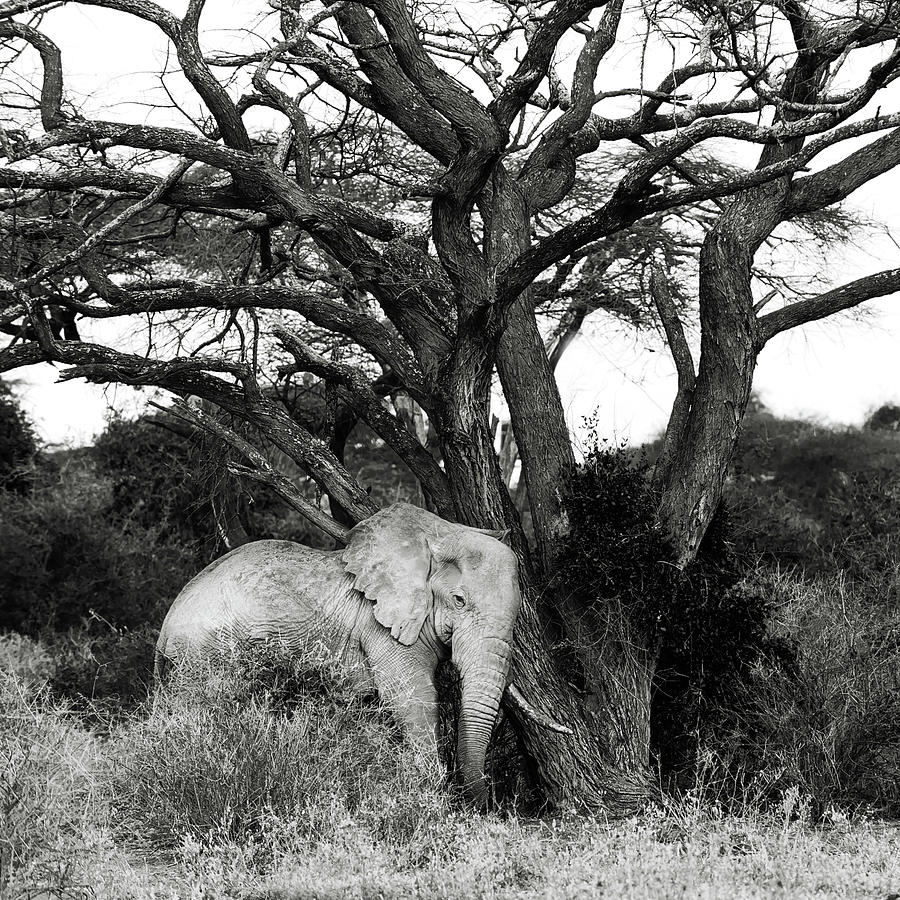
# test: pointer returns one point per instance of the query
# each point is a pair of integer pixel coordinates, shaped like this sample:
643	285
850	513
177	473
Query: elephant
409	590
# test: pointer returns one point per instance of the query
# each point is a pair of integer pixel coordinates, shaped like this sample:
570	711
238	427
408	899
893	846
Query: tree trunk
583	669
535	407
467	443
539	425
587	670
596	681
577	666
692	486
691	489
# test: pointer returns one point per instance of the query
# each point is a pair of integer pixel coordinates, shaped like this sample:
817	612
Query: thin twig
103	232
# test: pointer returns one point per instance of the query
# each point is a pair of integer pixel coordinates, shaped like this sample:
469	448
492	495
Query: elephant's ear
390	557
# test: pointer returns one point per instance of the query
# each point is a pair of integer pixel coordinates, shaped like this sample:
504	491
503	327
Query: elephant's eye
458	600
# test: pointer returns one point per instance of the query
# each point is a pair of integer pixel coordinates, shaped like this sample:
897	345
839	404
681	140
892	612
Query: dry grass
47	794
253	796
266	747
828	724
662	854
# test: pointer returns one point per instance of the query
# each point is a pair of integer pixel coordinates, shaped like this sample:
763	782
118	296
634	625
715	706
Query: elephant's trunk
483	664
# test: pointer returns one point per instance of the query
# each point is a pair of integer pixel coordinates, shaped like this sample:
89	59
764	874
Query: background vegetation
776	728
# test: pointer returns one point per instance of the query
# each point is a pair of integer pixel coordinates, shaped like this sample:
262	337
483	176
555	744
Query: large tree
422	192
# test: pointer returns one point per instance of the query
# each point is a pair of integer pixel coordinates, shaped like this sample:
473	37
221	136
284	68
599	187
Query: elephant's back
263	589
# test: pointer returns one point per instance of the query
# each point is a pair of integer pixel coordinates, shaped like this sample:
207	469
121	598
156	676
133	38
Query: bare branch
52	88
197	72
360	396
684	366
836	182
467	116
104	232
391	94
262	471
197	197
880	284
630	200
536	61
186	377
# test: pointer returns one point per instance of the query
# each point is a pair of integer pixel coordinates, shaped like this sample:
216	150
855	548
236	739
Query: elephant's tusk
516	698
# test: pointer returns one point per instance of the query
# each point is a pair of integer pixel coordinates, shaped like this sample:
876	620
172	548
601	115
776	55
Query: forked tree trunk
579	666
691	490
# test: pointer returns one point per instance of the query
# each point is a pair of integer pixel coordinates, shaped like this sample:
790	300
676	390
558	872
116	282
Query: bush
18	444
64	562
707	628
824	500
885	418
269	749
827	725
159	480
103	672
615	549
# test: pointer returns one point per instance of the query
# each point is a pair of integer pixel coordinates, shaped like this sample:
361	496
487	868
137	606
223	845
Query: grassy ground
664	854
230	795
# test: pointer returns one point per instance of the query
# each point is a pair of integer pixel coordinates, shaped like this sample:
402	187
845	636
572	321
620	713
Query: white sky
834	371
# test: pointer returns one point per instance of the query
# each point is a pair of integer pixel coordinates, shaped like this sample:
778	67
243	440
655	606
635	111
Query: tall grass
279	782
235	747
48	794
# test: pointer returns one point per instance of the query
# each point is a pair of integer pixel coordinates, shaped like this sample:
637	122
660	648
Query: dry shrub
103	671
65	561
28	659
828	724
273	751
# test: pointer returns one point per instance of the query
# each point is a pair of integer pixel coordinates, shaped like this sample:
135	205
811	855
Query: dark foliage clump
885	418
156	475
101	539
614	550
18	444
102	671
616	553
65	563
823	500
706	628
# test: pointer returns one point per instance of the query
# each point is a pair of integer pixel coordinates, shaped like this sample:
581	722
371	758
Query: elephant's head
430	577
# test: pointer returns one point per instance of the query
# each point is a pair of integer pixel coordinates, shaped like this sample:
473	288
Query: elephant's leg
416	707
405	682
360	672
